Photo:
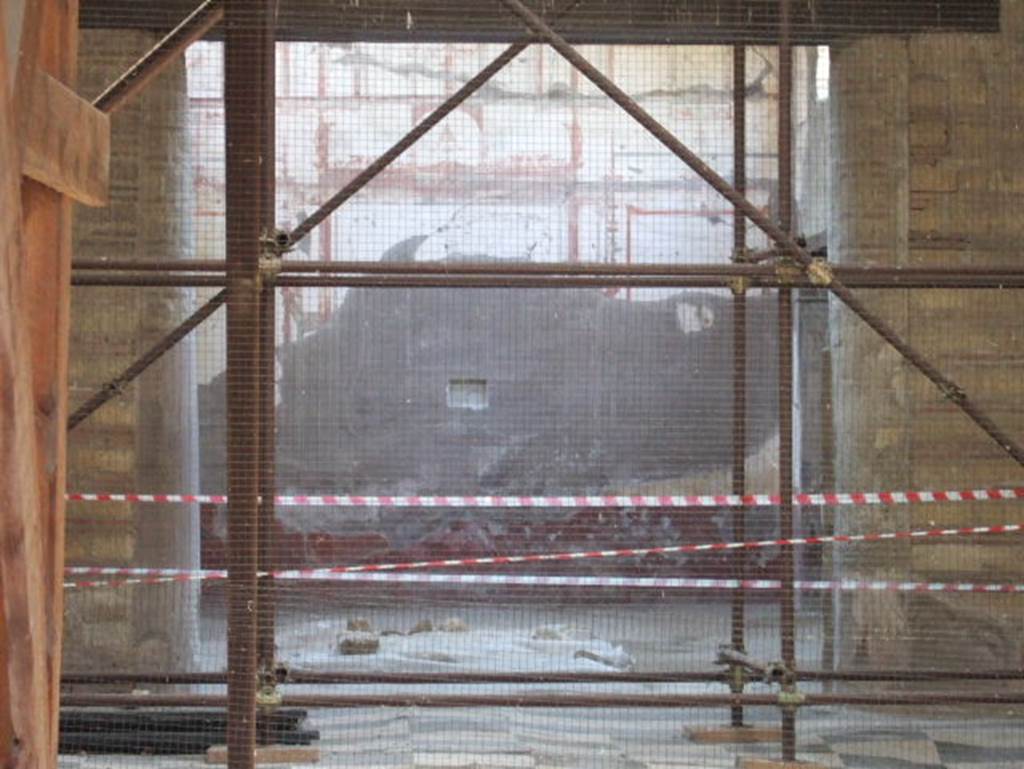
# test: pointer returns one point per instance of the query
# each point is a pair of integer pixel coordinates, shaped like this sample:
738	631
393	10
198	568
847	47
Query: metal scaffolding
257	267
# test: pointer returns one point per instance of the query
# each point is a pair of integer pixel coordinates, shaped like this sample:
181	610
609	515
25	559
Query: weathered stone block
929	90
931	133
354	642
453	625
423	626
937	176
359	624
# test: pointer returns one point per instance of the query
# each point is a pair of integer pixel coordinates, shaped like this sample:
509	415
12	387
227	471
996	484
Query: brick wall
145	438
926	142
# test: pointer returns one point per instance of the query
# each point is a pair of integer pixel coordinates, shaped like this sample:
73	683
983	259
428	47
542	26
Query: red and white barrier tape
629	552
169	576
520	502
656	583
160	575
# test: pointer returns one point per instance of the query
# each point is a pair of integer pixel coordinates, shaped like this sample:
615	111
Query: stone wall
145	439
926	145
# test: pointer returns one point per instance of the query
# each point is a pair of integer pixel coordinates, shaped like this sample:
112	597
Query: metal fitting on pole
791	698
274	246
788	272
770	672
739	286
819	272
268	696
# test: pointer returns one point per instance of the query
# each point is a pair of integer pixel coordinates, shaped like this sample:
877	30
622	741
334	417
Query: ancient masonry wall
145	439
926	134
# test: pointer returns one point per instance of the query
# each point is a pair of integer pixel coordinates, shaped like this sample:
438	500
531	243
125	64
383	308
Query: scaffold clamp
739	286
790	698
953	392
268	696
819	272
741	255
737	679
737	659
787	271
277	243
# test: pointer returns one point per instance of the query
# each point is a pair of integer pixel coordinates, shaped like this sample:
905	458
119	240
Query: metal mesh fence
649	399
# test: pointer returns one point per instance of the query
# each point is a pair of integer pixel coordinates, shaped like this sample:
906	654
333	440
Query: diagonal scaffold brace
116	385
817	271
137	77
445	108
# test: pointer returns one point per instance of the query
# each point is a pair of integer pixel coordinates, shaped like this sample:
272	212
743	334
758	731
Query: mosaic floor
626	739
635	739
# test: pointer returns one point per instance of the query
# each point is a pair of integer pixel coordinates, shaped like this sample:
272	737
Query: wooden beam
24	701
10	256
159	57
13	12
67	146
21	47
46	243
35	256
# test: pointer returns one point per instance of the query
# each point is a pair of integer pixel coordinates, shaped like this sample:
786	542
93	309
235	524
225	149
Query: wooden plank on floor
771	763
269	754
735	735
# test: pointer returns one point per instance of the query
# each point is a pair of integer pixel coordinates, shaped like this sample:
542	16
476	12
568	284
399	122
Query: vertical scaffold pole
246	51
266	603
739	382
787	602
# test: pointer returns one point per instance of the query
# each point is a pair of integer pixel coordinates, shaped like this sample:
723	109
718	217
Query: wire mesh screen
643	394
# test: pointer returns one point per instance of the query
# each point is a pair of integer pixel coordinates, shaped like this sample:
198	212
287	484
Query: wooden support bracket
67	142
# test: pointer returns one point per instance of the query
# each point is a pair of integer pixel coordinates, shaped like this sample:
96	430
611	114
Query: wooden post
24	712
47	241
63	143
35	254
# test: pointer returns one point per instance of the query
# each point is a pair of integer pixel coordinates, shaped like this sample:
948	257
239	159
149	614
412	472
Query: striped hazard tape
566	501
155	576
656	583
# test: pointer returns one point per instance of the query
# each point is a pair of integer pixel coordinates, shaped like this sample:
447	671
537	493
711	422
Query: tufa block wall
926	141
144	439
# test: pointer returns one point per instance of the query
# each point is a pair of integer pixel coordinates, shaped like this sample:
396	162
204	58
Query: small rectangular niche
467	394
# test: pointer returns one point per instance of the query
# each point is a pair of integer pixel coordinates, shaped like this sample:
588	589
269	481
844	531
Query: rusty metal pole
266	605
854	277
817	272
418	131
425	275
787	598
301	677
326	700
246	51
739	353
157	59
828	482
115	386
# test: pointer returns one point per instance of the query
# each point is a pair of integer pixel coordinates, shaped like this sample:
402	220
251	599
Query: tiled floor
625	739
650	739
